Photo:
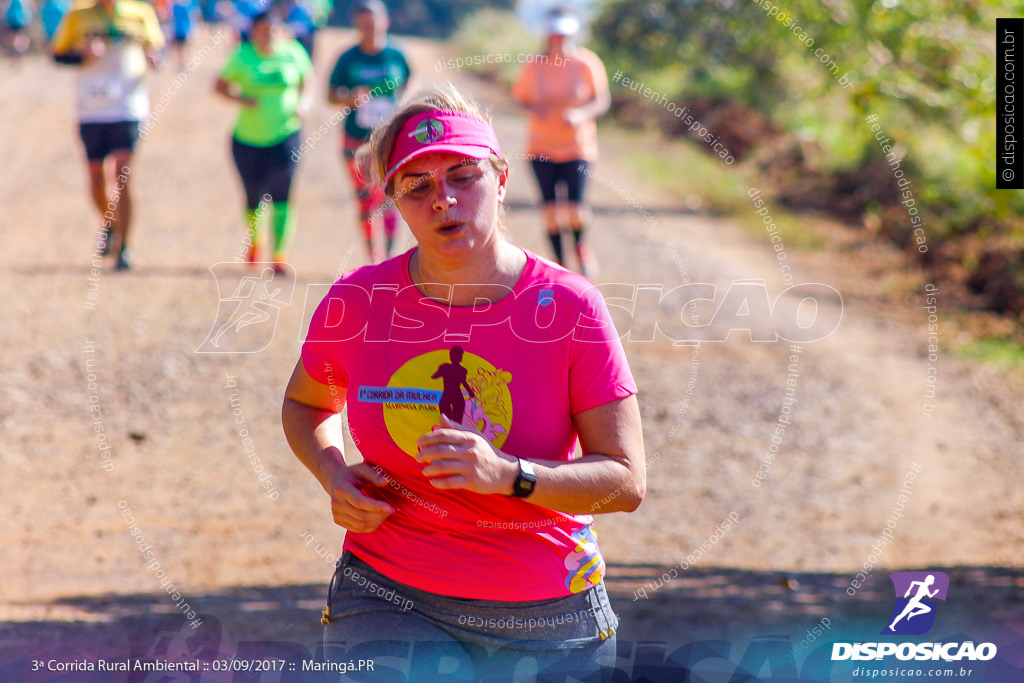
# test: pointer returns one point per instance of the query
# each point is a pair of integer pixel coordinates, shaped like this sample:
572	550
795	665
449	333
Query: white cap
563	25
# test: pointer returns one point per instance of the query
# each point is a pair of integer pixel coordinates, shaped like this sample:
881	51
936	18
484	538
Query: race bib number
373	112
101	90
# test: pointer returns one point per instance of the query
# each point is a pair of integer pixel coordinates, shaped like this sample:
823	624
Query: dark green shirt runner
383	74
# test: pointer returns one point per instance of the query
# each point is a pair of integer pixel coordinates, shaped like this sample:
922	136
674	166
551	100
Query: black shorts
102	139
571	174
266	170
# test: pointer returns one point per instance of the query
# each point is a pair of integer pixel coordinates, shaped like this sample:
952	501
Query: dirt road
854	426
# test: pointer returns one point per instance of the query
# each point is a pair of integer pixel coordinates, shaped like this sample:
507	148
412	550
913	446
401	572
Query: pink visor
442	131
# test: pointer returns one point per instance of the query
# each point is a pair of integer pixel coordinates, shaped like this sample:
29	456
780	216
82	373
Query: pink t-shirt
518	370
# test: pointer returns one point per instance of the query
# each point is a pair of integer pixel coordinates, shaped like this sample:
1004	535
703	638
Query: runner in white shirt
113	43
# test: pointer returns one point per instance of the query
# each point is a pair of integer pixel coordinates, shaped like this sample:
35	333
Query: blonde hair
374	155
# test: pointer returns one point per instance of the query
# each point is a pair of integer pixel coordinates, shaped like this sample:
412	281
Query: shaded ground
738	607
70	571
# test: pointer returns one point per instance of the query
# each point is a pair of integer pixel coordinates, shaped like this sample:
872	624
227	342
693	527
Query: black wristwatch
526	480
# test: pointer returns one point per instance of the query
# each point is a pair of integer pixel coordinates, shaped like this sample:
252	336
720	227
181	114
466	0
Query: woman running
111	44
265	75
470	539
565	89
367	81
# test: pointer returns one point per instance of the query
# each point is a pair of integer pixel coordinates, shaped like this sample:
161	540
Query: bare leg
122	196
122	200
98	185
101	199
579	214
579	219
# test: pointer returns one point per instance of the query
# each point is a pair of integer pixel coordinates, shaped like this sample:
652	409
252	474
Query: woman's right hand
353	509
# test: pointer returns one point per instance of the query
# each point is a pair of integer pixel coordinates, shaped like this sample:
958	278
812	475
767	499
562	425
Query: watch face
526	480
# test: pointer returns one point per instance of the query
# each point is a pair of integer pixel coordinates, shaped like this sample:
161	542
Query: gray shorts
413	635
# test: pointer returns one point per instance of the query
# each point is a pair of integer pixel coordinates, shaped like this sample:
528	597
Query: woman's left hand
459	457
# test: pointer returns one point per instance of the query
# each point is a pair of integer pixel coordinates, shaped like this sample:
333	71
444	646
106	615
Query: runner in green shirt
266	74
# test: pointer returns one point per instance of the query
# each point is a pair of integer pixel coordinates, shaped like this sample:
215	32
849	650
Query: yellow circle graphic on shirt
453	382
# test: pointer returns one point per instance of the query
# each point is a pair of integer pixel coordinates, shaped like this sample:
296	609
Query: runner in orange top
565	90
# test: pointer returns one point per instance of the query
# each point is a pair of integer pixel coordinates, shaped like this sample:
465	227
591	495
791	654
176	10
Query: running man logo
916	592
247	319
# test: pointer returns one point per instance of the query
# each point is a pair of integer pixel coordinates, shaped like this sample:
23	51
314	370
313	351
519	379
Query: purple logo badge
916	593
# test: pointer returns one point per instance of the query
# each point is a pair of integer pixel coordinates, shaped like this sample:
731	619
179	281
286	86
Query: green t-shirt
384	74
274	81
